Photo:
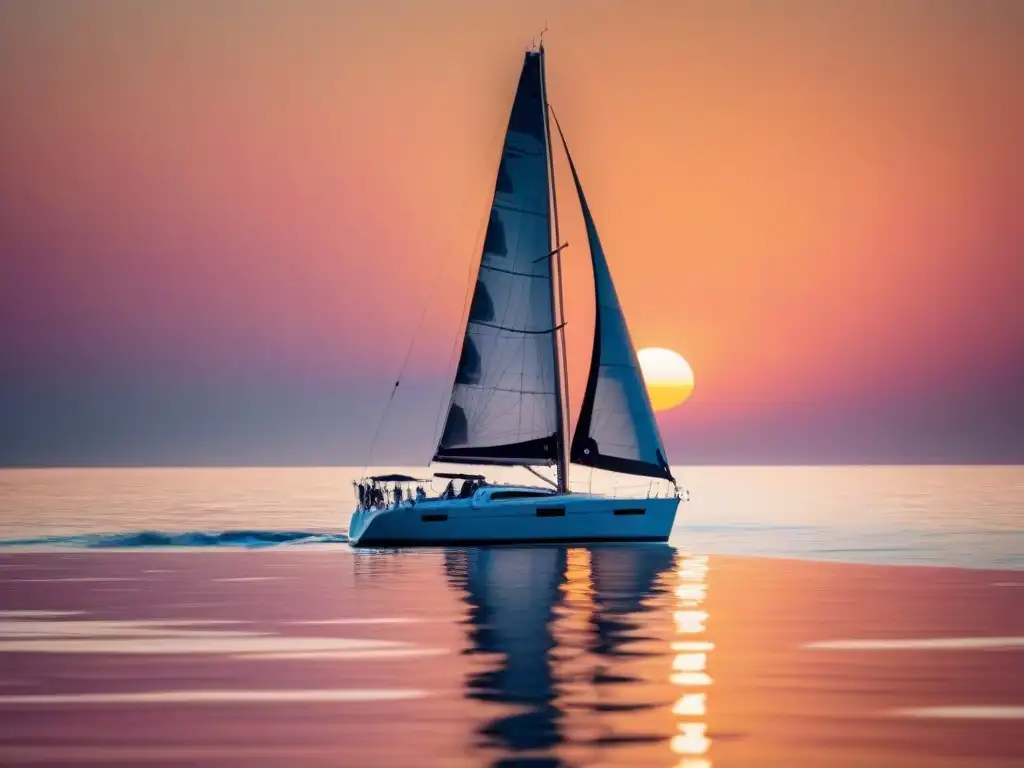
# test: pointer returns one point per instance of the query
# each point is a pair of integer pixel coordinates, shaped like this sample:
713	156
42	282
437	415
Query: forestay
504	404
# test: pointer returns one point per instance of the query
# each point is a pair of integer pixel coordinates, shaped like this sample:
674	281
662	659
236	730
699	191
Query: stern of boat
360	523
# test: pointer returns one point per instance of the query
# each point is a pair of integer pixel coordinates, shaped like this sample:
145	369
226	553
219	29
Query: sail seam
512	272
513	209
516	330
517	391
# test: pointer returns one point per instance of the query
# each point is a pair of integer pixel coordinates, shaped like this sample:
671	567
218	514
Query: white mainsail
505	405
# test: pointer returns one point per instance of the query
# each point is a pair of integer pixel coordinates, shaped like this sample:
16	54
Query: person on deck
449	490
398	494
420	494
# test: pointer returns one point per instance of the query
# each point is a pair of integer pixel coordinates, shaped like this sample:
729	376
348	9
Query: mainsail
505	406
616	429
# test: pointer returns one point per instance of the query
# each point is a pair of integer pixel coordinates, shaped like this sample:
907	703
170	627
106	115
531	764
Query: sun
668	377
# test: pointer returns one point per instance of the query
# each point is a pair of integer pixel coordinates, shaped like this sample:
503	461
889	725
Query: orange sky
820	205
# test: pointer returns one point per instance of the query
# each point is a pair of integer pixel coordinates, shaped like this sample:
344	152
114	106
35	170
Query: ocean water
971	517
171	617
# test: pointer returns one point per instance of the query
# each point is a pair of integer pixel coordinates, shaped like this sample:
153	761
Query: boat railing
381	498
372	493
654	489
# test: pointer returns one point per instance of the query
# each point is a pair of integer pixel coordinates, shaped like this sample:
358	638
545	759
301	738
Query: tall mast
561	365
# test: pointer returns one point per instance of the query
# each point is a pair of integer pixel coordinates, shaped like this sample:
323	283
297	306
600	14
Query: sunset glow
220	229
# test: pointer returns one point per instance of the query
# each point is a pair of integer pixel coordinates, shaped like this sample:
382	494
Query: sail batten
504	403
616	429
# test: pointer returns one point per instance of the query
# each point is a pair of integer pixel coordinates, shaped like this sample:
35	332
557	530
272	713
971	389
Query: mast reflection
576	644
512	595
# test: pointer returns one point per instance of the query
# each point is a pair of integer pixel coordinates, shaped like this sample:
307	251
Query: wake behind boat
509	400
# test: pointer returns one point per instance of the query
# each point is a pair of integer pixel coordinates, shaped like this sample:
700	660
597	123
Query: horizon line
717	465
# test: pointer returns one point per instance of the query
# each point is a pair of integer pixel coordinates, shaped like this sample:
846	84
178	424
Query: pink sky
821	206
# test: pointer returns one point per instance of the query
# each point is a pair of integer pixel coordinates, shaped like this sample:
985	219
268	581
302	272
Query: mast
561	364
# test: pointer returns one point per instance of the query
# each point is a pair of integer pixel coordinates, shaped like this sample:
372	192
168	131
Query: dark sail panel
504	405
616	429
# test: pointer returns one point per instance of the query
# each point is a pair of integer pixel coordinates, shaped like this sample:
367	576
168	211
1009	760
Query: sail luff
616	429
504	403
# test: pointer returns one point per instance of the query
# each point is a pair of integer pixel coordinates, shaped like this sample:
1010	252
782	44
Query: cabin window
635	511
506	495
435	518
550	511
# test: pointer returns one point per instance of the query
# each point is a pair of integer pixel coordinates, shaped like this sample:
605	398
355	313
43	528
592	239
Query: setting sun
668	377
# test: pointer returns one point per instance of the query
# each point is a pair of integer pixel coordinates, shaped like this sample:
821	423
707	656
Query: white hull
480	520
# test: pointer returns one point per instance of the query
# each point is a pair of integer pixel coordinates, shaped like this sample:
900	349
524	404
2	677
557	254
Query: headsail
505	405
616	429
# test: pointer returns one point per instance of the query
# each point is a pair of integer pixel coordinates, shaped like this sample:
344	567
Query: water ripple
247	539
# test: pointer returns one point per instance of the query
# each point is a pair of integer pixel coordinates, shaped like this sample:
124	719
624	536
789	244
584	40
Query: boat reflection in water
587	655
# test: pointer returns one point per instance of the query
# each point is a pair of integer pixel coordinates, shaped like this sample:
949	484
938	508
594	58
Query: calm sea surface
193	617
959	516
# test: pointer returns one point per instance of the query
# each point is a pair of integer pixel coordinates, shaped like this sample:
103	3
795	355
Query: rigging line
555	266
522	384
401	370
419	323
535	473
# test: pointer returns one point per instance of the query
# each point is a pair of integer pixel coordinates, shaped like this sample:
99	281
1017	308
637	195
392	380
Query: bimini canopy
396	479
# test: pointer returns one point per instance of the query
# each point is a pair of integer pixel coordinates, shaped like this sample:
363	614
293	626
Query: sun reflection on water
689	667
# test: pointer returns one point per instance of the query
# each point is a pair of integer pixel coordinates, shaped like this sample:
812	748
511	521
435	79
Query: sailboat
509	404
